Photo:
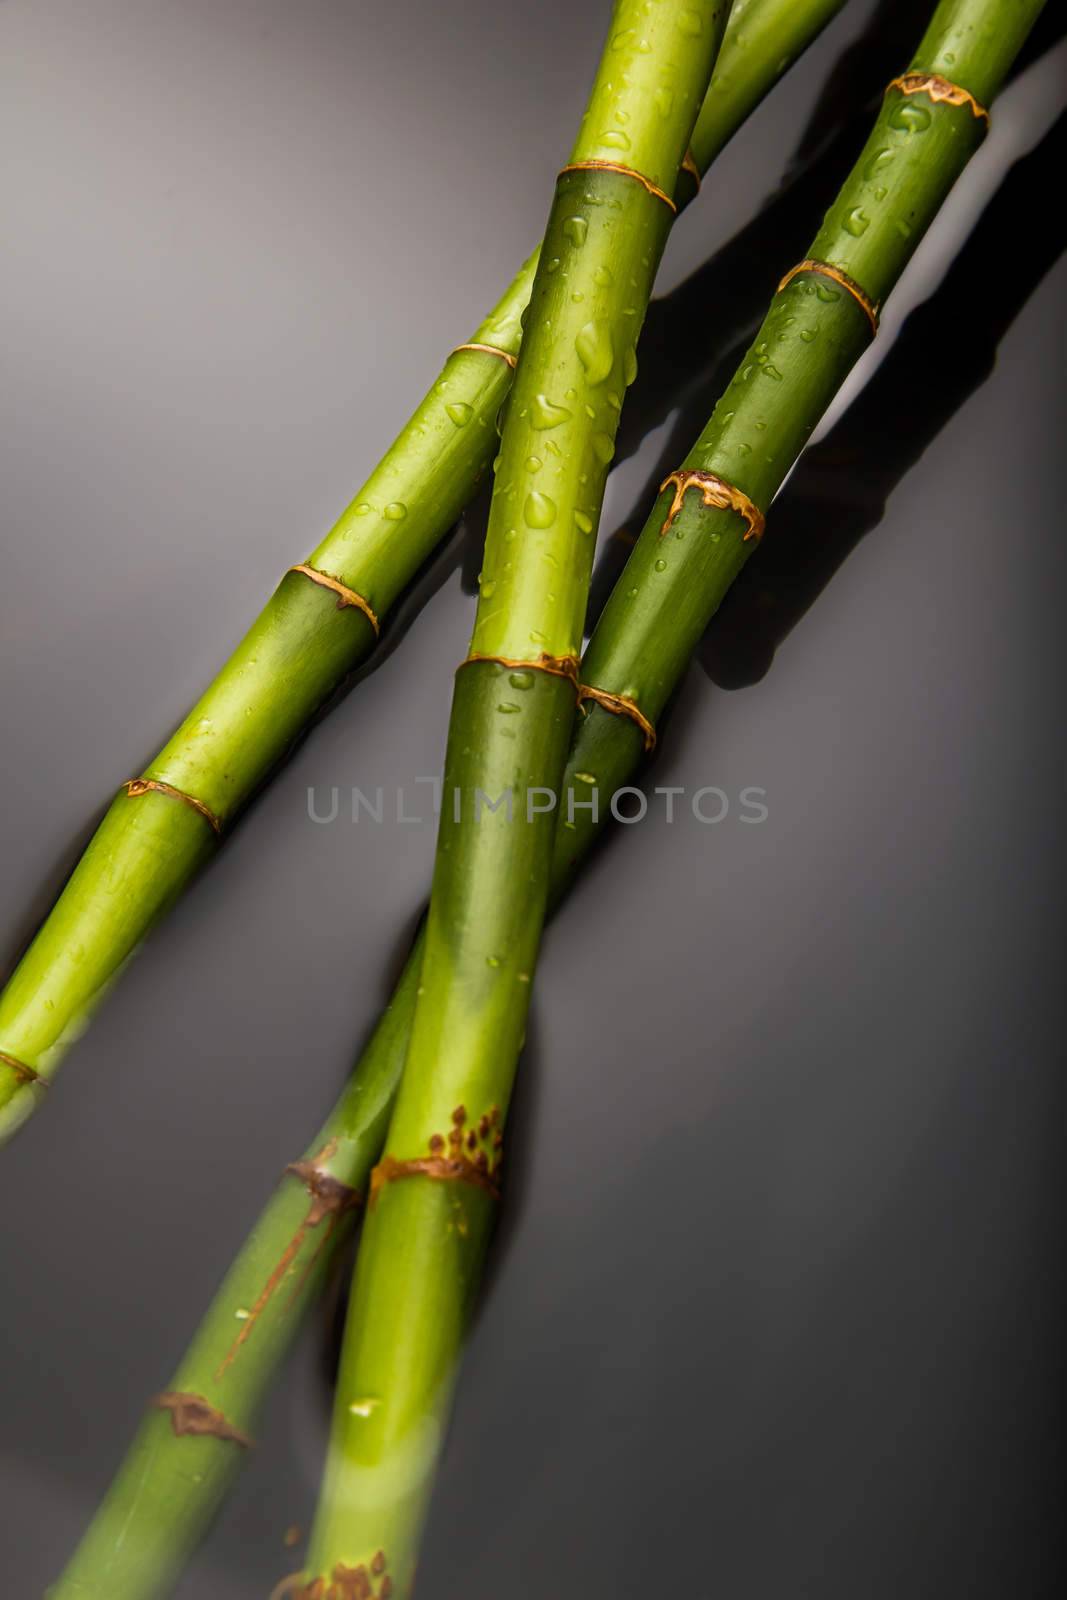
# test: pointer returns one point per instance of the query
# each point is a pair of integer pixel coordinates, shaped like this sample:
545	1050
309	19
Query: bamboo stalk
308	639
169	1485
419	1263
432	1195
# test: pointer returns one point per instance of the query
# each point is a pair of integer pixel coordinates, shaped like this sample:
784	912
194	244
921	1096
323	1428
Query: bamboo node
488	350
136	787
689	165
824	269
191	1413
622	706
555	666
25	1074
345	595
941	90
343	1583
441	1169
329	1196
716	493
627	172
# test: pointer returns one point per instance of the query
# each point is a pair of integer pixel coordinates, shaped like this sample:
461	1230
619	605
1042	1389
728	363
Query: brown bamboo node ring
689	165
441	1169
824	269
555	666
489	350
192	1414
717	494
345	595
622	706
136	787
24	1073
627	172
941	90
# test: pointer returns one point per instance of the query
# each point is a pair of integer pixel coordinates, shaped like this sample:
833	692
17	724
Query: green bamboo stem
433	1194
170	1484
419	1263
304	644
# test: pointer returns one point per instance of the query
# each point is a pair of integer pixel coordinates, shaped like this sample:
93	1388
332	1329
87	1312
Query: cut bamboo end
345	595
626	172
556	666
136	787
192	1414
440	1169
25	1074
488	350
718	494
941	90
824	269
622	706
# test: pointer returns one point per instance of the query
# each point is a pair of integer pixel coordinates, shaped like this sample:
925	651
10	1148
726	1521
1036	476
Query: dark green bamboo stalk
432	1196
307	640
420	1259
170	1484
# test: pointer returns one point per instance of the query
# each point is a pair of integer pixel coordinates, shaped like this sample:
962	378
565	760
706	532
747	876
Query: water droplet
242	1313
664	101
585	777
634	593
808	334
825	293
533	463
521	680
493	961
544	413
661	566
523	977
539	511
553	265
460	413
771	371
362	510
622	40
603	447
508	707
910	117
857	222
629	366
603	276
615	139
363	1408
881	192
595	349
583	523
396	511
904	229
690	23
880	159
575	229
487	589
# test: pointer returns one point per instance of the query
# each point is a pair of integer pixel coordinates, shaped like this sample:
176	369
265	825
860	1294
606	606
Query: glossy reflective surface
771	1309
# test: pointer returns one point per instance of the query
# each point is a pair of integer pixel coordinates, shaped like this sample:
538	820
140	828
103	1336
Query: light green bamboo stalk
307	640
420	1258
513	707
169	1485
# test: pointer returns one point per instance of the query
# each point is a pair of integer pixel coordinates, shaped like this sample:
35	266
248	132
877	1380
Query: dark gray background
776	1300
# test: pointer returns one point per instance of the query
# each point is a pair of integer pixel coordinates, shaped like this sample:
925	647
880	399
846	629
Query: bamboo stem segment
424	1239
